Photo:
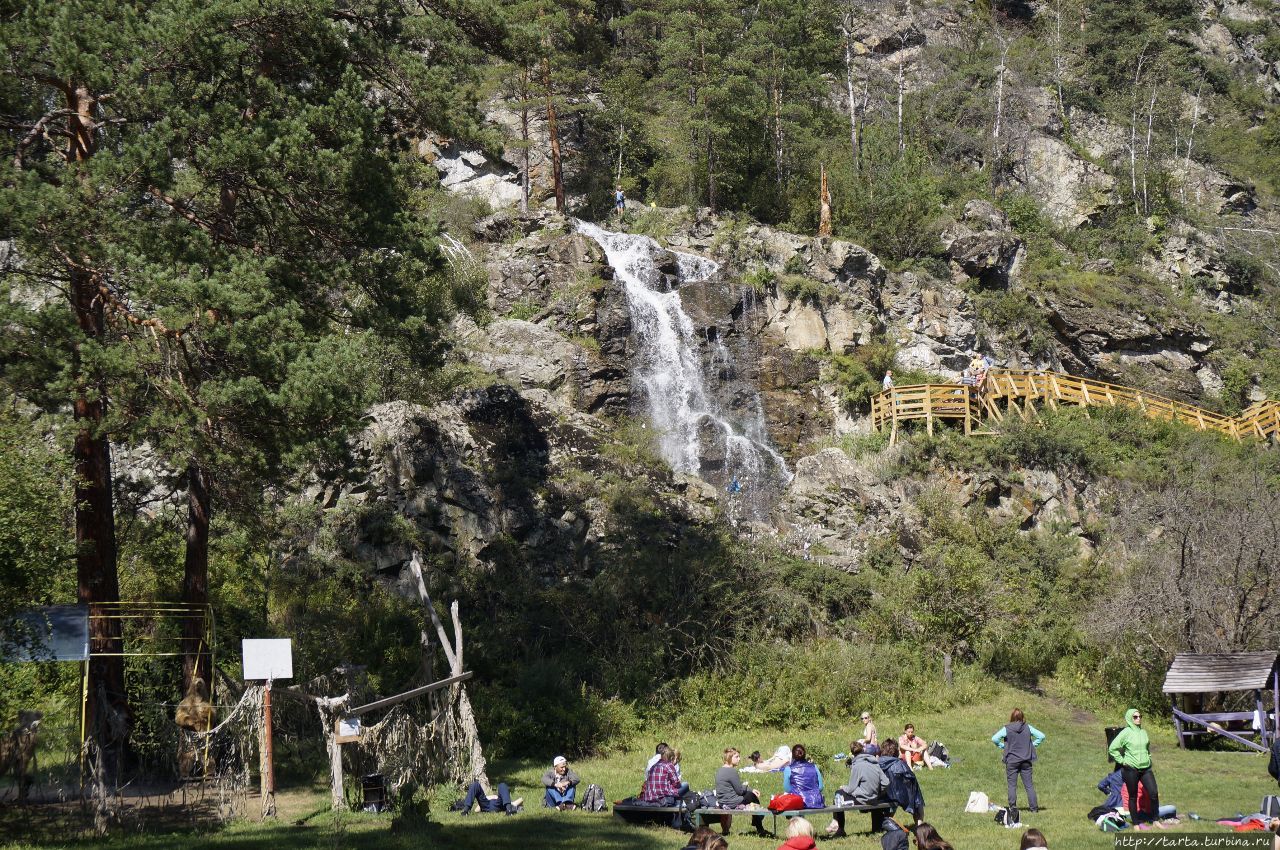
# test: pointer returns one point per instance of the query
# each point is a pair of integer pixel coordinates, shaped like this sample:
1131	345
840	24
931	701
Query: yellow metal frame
123	611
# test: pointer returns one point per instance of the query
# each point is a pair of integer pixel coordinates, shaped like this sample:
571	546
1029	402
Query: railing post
928	408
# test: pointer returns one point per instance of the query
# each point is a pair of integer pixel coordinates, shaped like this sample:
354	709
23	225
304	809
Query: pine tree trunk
96	576
557	177
195	577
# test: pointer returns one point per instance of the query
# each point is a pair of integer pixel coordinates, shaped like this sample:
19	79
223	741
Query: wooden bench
622	810
701	815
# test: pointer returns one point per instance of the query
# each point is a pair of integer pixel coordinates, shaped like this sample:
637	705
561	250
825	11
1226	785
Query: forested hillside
294	289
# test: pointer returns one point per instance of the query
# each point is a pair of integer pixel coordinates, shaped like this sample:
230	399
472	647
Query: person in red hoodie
799	836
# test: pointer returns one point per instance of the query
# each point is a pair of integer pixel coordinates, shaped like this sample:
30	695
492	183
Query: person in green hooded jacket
1131	749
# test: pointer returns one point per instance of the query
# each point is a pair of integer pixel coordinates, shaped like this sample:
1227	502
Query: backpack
593	799
1271	806
786	803
1008	817
938	750
1112	823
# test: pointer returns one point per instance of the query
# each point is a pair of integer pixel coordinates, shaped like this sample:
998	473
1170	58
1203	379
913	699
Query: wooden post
1261	716
1275	702
1177	721
335	774
928	408
268	762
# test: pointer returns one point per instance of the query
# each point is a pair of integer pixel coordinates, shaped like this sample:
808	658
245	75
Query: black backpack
593	799
1008	817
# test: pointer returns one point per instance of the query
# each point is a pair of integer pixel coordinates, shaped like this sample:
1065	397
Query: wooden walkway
1021	393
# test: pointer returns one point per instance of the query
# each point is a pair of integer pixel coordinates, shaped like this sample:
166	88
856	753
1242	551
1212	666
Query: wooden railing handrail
1032	387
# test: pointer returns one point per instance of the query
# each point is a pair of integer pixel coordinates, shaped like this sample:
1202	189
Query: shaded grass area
1211	783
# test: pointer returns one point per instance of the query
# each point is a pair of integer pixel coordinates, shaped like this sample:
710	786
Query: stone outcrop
1070	189
981	245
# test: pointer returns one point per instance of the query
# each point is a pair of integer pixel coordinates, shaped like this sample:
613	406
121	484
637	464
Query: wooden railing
1022	391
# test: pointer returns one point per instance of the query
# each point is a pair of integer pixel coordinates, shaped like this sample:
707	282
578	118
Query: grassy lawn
1213	784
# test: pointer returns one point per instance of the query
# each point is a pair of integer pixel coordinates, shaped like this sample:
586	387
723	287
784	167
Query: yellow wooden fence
1022	392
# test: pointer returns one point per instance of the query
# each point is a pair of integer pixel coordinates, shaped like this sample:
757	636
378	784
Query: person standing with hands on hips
1019	740
1131	749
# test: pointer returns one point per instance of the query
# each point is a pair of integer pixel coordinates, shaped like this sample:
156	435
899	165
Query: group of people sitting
800	836
560	788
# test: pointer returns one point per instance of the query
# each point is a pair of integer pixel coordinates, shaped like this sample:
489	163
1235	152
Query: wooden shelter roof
1228	671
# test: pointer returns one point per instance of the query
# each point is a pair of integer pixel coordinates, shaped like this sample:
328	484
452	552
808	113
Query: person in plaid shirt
662	783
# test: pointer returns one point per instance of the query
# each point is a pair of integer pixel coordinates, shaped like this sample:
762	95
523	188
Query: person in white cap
561	784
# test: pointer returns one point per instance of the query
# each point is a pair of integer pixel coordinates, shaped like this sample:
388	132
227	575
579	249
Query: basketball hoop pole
268	762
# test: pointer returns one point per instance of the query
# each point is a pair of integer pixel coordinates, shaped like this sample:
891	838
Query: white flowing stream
669	372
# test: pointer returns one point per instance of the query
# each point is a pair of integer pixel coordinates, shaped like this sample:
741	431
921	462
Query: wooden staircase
1022	393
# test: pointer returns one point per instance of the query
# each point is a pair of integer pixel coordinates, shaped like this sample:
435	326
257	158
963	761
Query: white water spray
669	370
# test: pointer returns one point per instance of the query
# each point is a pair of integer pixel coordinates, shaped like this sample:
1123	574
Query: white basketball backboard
267	658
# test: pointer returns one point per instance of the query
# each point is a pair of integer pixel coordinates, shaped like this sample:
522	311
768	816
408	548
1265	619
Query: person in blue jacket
803	777
1019	740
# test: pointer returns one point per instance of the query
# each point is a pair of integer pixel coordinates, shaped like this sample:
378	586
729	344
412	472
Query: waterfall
669	373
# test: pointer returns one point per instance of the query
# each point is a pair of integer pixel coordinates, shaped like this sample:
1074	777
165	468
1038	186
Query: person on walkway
619	200
803	777
1019	740
868	729
561	784
501	802
1032	838
913	748
1131	749
887	383
868	784
733	793
904	790
799	835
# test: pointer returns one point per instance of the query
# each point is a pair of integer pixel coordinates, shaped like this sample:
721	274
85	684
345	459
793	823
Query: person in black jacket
904	789
1274	767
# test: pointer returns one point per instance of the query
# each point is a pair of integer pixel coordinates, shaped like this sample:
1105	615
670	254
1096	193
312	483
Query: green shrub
800	288
835	680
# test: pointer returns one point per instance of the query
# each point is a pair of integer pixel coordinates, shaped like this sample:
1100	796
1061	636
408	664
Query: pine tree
222	192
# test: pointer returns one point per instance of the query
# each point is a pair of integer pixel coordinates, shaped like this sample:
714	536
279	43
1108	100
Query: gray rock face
1109	344
1070	189
981	245
931	321
487	472
559	279
471	173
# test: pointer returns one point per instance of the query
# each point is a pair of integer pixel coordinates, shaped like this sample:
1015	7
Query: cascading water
670	376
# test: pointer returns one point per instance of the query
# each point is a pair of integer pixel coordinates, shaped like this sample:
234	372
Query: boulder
982	246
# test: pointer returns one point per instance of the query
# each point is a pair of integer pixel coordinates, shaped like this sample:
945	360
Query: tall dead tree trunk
824	205
468	733
846	29
902	93
524	139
